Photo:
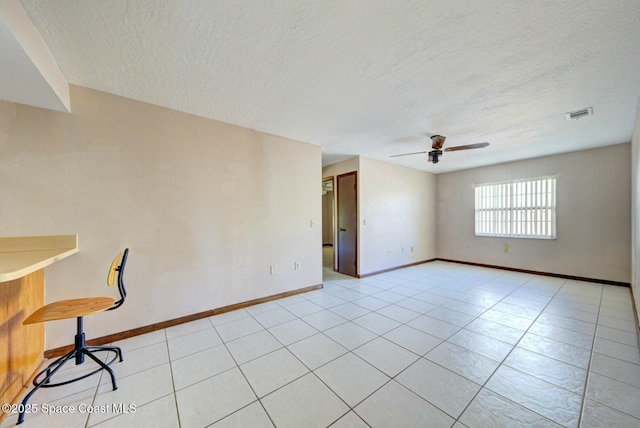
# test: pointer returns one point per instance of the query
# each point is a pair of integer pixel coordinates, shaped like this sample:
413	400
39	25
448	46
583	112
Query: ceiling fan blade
467	147
407	154
438	141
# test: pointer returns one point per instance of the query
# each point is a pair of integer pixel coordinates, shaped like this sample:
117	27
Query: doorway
328	229
347	224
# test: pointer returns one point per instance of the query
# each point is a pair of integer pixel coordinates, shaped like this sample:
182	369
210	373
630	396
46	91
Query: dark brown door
347	224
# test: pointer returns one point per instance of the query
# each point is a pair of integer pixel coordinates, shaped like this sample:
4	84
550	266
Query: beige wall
397	214
593	216
635	185
205	207
343	167
397	205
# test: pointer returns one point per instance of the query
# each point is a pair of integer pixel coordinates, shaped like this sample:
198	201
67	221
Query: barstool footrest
72	354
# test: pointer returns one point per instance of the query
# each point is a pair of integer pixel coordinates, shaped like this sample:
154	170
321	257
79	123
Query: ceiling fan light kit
434	156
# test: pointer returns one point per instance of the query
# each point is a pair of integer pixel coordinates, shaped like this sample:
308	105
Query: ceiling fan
438	142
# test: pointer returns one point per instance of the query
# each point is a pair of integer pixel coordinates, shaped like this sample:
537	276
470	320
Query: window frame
523	208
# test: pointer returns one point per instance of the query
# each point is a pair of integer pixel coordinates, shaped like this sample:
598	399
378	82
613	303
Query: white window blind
519	209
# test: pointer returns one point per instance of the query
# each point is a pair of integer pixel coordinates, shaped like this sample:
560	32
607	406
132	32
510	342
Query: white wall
398	206
593	216
205	207
635	215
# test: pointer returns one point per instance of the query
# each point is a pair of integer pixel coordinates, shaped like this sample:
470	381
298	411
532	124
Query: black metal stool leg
78	354
37	385
103	365
57	363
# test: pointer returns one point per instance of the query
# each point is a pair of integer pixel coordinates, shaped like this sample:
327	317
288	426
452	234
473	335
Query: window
518	209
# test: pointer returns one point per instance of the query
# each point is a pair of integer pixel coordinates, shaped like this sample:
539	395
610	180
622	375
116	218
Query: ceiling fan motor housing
437	141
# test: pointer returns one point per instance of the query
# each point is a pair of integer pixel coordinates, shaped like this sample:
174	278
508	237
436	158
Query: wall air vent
579	114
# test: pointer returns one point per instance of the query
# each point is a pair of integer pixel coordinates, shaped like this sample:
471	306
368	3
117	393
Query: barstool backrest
118	265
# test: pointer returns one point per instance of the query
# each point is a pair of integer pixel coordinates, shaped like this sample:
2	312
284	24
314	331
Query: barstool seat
71	308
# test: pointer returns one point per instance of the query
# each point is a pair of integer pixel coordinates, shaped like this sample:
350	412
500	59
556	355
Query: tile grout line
212	376
243	373
483	386
349	351
586	380
173	383
381	336
223	343
311	371
95	395
377	336
406	297
442	305
392	378
133	374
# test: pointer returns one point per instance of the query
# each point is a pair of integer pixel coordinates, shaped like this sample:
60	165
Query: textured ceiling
374	78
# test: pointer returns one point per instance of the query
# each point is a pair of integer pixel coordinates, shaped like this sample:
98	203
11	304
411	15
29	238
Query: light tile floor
434	345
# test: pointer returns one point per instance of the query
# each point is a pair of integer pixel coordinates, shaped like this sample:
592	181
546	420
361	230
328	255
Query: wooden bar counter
22	263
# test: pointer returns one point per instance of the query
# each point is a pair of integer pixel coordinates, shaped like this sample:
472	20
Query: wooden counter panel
10	244
19	256
22	345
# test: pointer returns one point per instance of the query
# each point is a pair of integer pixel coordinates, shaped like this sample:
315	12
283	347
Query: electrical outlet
388	252
412	249
402	249
296	266
312	223
273	269
506	247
